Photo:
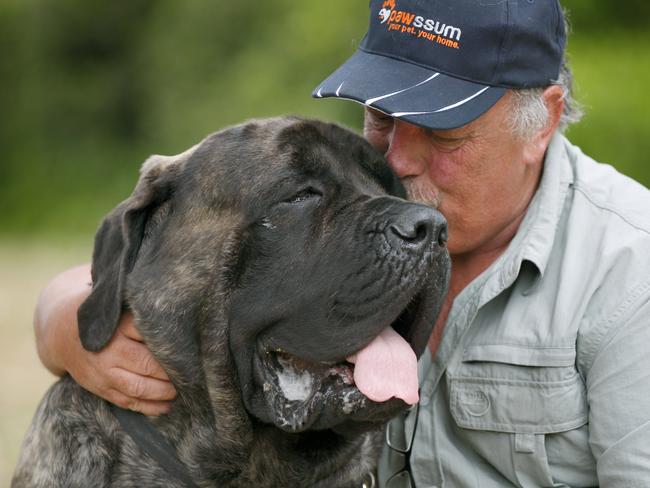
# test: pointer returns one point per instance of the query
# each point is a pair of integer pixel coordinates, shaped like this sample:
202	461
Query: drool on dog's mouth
370	385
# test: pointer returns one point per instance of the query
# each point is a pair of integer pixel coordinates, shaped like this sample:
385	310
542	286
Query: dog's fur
270	251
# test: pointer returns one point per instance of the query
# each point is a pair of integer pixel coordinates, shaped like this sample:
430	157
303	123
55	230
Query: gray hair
529	112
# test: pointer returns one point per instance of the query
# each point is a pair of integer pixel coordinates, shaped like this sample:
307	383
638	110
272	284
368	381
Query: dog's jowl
277	273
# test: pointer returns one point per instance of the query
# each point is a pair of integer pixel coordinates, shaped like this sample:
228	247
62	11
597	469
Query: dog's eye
305	195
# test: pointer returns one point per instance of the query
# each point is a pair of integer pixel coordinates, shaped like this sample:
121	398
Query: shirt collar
534	239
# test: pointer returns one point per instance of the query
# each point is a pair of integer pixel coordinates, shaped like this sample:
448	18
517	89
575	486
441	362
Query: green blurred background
88	89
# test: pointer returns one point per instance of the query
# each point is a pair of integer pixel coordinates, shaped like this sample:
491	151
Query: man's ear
554	100
117	243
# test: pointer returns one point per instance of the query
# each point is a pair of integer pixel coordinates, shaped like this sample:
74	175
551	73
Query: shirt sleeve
618	385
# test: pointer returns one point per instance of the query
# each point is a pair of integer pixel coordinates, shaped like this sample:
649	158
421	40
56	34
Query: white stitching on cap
443	109
370	101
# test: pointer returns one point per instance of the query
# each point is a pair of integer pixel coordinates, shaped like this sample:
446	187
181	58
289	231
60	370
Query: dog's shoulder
71	441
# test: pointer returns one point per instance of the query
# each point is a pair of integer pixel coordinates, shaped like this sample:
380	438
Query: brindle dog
254	263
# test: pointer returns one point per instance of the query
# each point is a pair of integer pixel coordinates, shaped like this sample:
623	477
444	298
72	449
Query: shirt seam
522	346
605	332
609	209
499	381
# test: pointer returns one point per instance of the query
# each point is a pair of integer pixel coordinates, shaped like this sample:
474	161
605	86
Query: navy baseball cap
442	63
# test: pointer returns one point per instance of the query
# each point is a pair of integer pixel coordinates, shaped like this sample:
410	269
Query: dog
277	273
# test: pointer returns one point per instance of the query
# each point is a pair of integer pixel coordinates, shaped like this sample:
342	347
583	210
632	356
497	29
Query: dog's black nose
418	226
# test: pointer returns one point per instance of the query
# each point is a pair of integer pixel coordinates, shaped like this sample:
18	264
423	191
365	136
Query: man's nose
405	151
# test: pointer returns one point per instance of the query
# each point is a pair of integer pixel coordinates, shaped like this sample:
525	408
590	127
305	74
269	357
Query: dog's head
266	260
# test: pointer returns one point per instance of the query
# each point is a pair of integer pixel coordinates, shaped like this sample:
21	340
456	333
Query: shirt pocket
515	396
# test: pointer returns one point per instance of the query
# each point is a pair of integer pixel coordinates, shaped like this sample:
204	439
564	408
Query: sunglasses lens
395	434
400	430
401	480
394	464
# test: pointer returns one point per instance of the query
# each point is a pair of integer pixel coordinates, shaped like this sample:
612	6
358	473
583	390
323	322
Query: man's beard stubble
417	190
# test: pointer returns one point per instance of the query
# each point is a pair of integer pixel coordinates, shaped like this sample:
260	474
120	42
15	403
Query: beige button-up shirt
542	378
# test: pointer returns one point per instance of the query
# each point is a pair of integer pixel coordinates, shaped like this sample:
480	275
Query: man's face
479	176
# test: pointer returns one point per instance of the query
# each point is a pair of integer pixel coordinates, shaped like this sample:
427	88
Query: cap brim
409	92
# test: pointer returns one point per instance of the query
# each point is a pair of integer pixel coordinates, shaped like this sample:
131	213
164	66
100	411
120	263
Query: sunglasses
399	437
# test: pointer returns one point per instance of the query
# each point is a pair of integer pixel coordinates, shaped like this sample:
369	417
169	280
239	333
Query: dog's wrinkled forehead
317	145
254	161
251	158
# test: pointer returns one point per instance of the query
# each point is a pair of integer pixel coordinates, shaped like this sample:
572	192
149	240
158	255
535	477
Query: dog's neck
250	453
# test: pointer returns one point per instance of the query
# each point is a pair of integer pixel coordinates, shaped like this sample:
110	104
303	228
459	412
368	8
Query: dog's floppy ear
116	248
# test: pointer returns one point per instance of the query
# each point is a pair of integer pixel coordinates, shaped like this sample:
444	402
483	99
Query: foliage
598	16
91	88
612	81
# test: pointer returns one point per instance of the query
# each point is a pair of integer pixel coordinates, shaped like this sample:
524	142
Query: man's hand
124	372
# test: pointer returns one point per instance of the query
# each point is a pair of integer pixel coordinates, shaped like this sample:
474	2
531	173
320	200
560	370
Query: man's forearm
55	317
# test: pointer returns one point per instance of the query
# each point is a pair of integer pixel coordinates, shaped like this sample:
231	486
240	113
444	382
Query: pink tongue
386	368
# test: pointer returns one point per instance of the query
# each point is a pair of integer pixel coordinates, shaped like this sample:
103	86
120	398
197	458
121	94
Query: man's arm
619	399
124	372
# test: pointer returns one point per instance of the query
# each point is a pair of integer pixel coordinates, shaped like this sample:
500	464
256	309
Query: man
537	372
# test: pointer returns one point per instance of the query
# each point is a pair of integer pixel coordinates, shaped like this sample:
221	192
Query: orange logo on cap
410	23
387	7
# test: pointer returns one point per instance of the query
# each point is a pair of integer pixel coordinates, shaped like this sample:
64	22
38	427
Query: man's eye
382	116
447	143
450	143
